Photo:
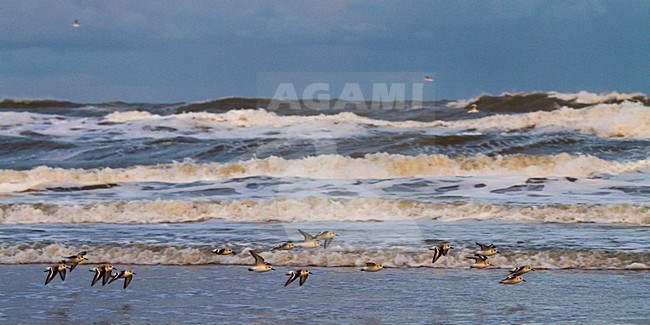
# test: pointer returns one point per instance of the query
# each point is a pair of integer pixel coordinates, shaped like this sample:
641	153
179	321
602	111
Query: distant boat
76	24
427	78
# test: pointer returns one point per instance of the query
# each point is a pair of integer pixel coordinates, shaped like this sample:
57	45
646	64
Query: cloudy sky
170	51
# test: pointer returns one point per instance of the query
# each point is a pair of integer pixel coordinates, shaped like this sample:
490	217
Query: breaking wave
625	120
320	209
617	120
621	120
335	256
539	101
372	166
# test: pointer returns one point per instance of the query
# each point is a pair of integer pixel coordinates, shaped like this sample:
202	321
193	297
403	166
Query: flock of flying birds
480	258
105	272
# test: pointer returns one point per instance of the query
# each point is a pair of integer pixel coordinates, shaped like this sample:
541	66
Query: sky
179	51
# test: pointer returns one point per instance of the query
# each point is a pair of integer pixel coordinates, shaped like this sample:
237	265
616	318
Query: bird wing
477	257
72	266
483	246
106	276
50	275
292	277
327	242
307	236
303	279
96	277
258	259
436	255
62	274
516	270
127	280
371	264
116	276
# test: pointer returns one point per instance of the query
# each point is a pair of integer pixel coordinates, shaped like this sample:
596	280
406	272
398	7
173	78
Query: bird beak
524	280
532	269
273	269
133	273
450	247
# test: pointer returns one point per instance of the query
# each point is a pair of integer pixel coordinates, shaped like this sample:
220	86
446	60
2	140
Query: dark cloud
171	51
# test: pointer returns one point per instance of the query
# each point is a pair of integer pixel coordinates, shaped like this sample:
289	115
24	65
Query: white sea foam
248	118
464	103
335	256
10	187
372	166
625	120
320	210
585	97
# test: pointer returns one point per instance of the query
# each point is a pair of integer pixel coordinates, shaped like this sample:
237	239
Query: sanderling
74	260
512	279
127	275
54	270
372	267
327	236
284	247
441	250
260	265
301	273
480	261
486	250
521	270
309	241
224	251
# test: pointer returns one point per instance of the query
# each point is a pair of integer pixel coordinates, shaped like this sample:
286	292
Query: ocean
560	182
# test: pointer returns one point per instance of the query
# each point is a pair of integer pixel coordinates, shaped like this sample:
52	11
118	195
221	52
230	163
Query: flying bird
441	250
301	273
127	275
74	260
327	236
284	247
372	267
224	251
260	265
310	241
54	270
